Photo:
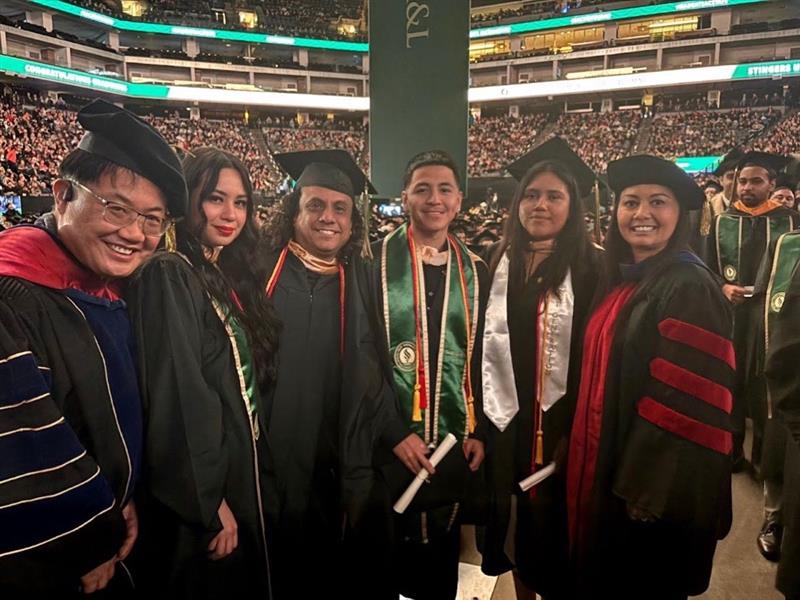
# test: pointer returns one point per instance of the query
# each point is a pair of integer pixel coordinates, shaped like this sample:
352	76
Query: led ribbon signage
301	42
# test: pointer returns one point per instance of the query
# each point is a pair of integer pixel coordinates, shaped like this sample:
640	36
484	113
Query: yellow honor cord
416	412
539	456
471	414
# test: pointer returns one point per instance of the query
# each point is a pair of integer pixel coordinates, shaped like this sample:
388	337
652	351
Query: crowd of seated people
294	139
600	137
784	138
37	131
707	133
494	142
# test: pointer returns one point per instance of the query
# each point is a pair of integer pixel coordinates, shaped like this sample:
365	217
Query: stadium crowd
37	131
495	141
600	137
707	133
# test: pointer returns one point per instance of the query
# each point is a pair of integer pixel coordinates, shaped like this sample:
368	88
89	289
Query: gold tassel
416	412
598	232
366	248
539	456
170	243
471	414
705	220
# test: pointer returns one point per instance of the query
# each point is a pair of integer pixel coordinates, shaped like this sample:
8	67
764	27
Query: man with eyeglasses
70	413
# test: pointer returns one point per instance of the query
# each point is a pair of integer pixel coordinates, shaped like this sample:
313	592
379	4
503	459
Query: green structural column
418	77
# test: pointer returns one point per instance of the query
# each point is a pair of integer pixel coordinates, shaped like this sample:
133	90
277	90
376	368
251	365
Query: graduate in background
430	292
324	411
648	481
545	273
726	174
206	337
736	246
71	420
782	439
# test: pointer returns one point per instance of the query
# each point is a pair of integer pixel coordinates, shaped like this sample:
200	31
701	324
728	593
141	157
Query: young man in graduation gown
430	293
782	321
329	387
771	290
737	244
70	415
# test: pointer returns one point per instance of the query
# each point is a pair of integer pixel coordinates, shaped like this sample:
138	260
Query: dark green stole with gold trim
729	242
784	264
447	405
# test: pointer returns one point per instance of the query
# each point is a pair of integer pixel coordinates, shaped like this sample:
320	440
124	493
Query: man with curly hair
329	391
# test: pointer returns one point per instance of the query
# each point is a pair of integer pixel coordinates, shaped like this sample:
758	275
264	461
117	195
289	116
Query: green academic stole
729	245
407	331
784	264
243	359
729	241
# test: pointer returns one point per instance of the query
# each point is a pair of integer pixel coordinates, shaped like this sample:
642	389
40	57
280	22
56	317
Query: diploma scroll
408	496
537	477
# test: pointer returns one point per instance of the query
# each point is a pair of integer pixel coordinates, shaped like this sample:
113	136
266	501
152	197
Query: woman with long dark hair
206	337
544	274
648	482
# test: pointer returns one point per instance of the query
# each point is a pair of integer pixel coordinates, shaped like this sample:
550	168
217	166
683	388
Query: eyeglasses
121	216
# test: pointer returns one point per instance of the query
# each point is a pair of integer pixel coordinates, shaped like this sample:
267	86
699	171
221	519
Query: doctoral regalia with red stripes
652	430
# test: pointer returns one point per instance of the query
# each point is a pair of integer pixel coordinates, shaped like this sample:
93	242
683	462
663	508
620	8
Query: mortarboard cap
785	181
332	169
126	140
771	162
555	149
646	169
729	161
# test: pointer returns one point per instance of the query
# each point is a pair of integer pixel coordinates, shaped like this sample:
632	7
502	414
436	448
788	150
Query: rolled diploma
537	477
408	496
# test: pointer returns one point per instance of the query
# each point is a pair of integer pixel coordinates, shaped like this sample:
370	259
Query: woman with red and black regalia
648	482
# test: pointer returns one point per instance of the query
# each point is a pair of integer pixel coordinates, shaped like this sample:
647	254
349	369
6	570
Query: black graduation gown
750	391
783	379
392	429
675	329
322	418
63	354
199	448
541	548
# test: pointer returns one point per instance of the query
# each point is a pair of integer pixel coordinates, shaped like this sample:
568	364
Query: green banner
698	164
419	73
781	68
27	68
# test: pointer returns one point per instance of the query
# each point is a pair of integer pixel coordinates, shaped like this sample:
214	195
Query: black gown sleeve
58	515
185	459
675	462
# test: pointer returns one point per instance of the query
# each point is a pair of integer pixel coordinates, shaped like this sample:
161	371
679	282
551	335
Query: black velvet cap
123	138
771	162
729	161
332	169
555	149
646	169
